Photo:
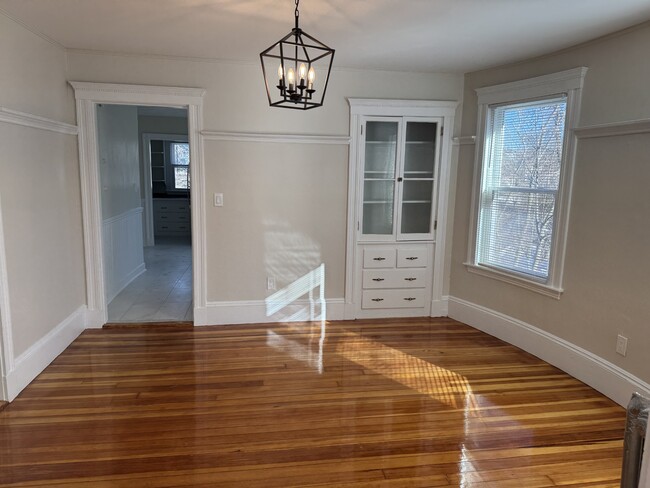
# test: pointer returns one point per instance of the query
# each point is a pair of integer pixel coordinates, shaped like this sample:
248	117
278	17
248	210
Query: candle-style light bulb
280	73
311	77
303	73
291	78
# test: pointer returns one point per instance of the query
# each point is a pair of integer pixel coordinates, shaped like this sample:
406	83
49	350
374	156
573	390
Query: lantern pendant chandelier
300	61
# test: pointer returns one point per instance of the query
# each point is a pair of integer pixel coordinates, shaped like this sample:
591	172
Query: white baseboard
255	311
600	374
32	362
440	308
94	319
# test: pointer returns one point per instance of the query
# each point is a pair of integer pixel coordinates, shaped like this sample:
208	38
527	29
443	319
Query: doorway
89	97
144	158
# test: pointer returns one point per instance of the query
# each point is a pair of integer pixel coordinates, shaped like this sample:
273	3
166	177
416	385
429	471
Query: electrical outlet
218	199
270	283
621	345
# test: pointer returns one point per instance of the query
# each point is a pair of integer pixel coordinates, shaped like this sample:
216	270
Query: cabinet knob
400	179
409	299
379	299
377	279
379	259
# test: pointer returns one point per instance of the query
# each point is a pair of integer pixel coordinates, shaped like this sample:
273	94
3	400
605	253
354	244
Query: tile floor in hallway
164	291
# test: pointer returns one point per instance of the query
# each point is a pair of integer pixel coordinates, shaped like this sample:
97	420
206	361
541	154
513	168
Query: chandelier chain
297	13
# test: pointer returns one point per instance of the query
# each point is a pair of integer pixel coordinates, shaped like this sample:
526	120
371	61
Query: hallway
163	292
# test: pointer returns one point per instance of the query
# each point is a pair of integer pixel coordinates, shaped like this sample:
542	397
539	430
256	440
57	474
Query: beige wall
606	273
285	204
39	187
32	78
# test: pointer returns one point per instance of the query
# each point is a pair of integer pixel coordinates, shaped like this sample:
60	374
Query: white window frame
567	83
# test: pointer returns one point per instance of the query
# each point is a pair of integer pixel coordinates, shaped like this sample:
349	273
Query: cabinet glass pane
416	207
419	154
378	191
381	149
377	218
379	177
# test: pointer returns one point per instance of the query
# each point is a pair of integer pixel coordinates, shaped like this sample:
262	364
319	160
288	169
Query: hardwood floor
400	403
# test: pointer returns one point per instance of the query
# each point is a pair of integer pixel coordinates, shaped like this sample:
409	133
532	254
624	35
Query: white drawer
172	217
163	227
379	257
410	298
412	257
170	205
394	278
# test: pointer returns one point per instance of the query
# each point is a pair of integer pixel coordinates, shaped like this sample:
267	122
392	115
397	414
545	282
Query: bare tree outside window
181	165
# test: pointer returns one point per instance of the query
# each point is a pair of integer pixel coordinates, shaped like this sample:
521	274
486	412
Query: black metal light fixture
297	58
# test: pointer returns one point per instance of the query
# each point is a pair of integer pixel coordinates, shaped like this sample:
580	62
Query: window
180	160
523	180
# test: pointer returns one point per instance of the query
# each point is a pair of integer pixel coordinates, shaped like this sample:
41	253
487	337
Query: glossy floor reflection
164	291
400	403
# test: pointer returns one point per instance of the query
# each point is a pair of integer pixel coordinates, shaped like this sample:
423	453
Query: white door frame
147	137
88	96
6	339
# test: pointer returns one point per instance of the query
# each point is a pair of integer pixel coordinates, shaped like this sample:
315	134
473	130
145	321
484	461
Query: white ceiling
416	35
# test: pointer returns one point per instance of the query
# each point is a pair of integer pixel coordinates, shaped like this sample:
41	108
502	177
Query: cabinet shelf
416	201
377	201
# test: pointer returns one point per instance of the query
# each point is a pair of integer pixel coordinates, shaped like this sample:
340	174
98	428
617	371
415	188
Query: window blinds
519	185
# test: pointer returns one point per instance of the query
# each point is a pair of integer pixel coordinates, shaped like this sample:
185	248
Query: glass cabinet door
419	172
379	173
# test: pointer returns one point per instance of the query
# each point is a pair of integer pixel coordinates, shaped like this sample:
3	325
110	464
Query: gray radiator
635	436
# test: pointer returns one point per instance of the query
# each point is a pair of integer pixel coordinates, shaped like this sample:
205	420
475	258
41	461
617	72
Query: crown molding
539	86
367	106
141	94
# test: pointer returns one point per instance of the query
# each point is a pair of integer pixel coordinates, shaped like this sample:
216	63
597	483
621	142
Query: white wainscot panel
123	251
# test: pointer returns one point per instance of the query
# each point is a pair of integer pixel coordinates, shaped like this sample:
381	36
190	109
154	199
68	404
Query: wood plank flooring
391	403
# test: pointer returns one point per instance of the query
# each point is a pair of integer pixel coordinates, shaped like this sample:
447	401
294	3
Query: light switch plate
218	199
621	345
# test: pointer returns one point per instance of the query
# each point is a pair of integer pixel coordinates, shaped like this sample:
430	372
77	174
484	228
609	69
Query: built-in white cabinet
399	158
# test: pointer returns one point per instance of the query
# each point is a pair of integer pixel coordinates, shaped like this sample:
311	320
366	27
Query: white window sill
513	279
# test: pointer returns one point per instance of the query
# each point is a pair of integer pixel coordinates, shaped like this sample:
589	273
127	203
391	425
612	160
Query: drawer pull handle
377	299
377	279
379	259
163	208
409	299
410	279
412	258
